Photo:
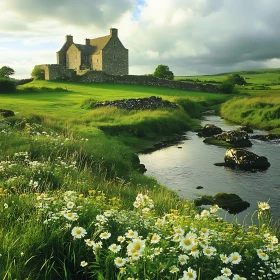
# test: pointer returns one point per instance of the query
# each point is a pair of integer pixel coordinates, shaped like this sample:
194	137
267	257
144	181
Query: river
185	166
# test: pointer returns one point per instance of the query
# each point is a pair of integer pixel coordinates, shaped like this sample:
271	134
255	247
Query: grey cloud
83	12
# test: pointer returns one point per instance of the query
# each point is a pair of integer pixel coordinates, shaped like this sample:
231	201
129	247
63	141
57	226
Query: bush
162	71
38	73
227	87
7	85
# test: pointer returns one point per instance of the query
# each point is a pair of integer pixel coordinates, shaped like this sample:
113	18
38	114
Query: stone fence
101	77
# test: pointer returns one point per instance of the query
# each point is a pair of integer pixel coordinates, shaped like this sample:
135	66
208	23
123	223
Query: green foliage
236	79
6	72
38	73
260	112
162	71
229	84
7	85
228	87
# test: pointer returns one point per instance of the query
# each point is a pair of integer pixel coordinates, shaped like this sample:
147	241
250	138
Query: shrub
38	73
6	71
7	85
162	71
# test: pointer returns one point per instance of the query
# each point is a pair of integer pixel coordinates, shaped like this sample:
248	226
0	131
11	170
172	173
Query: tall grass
260	112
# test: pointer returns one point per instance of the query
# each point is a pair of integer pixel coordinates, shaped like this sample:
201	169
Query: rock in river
228	201
243	159
232	138
209	130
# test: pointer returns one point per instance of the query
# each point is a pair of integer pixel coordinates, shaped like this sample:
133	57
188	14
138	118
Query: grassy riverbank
259	102
73	206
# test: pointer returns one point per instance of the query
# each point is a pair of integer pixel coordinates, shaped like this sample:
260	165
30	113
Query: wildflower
183	259
71	216
136	204
209	251
96	245
137	245
145	210
131	234
157	251
262	255
83	263
237	277
89	242
105	235
6	205
214	208
190	274
70	205
205	213
204	231
107	213
21	254
114	248
155	238
121	239
119	262
101	218
235	258
263	205
224	258
122	270
226	271
179	231
159	222
174	269
78	232
194	252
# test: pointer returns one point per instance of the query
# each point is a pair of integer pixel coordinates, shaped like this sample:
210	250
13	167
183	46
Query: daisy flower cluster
140	245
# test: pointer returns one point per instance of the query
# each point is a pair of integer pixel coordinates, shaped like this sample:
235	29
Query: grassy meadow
74	206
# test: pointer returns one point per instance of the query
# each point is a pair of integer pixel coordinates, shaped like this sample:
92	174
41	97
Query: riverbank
72	198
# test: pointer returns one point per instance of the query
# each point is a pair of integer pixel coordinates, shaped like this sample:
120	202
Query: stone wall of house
73	58
101	77
58	72
115	57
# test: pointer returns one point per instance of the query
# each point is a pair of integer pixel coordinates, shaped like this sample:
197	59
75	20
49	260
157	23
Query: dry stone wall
101	77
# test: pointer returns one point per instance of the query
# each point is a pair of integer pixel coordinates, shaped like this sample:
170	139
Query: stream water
185	166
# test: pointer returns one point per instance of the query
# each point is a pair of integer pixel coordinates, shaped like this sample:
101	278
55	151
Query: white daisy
78	232
114	248
235	258
105	235
155	238
84	263
119	262
131	234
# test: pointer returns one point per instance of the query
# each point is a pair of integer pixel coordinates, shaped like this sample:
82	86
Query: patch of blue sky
23	45
137	11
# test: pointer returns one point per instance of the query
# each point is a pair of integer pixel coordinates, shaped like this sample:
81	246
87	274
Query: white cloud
190	36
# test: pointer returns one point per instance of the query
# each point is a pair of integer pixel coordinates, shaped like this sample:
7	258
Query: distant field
258	81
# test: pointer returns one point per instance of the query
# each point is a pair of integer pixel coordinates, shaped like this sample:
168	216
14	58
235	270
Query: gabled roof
99	43
85	49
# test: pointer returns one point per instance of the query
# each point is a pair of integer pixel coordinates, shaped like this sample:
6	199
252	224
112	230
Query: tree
236	79
6	72
162	71
38	73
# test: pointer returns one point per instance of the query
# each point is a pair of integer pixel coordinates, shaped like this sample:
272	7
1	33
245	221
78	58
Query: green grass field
74	206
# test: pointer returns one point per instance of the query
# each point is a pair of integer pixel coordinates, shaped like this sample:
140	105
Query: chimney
114	32
69	39
87	41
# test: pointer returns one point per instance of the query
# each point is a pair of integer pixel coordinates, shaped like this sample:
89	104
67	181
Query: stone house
105	54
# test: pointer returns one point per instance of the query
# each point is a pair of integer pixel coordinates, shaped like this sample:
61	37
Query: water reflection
185	168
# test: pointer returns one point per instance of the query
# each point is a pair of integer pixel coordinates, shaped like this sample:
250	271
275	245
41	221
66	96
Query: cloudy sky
190	36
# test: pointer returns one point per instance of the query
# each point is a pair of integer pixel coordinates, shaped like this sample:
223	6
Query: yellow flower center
190	274
235	258
78	231
187	242
137	246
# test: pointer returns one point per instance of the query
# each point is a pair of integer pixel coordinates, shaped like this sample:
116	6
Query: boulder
6	113
267	137
209	130
246	128
233	203
243	159
232	138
